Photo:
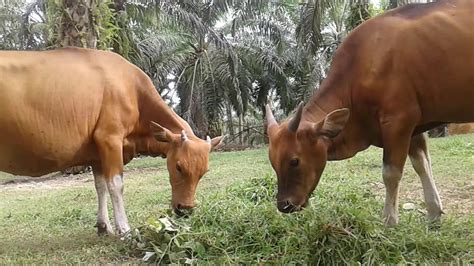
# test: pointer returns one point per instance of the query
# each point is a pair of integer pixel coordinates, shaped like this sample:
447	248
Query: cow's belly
451	106
34	145
21	162
35	160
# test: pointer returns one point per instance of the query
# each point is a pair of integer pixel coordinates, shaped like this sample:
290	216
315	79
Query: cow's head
298	154
187	161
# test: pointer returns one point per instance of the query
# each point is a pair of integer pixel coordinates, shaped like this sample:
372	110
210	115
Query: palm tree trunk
230	125
393	4
241	139
359	12
78	27
264	119
121	43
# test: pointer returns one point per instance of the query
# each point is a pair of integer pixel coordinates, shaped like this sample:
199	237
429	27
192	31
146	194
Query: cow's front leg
396	141
420	159
392	175
110	150
115	186
103	222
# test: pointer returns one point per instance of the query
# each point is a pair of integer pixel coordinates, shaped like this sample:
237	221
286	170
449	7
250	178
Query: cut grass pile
241	225
237	220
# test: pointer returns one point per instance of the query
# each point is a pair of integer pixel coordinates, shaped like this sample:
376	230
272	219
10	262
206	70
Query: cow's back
50	105
420	56
438	58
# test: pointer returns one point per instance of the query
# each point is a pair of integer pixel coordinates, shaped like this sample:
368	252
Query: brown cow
459	129
392	78
85	107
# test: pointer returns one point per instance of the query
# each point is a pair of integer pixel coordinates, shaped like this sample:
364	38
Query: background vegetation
217	63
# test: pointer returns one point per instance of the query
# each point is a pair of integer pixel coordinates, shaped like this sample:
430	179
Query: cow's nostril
287	206
183	210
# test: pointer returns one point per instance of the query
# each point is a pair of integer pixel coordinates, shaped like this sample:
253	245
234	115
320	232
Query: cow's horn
295	121
183	136
208	140
269	115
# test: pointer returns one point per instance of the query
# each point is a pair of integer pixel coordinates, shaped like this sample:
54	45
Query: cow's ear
215	142
161	134
333	123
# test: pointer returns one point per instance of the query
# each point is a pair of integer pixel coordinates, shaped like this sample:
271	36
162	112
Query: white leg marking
115	187
103	223
391	178
422	164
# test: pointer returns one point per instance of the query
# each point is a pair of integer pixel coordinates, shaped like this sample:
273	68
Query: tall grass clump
342	225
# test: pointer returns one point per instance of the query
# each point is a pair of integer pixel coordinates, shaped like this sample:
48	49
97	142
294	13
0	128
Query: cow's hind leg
103	222
110	150
420	159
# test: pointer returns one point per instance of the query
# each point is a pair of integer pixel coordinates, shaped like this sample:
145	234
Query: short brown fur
85	107
394	76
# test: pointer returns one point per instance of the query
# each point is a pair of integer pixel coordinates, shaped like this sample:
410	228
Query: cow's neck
153	108
321	104
335	94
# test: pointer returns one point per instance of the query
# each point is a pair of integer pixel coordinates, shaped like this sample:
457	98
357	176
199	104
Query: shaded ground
60	181
51	181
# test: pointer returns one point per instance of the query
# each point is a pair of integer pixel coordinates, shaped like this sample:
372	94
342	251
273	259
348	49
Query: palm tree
397	3
10	23
393	4
359	12
81	23
22	25
209	65
75	27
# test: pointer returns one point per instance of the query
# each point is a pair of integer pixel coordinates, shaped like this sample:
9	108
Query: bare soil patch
456	199
58	181
50	181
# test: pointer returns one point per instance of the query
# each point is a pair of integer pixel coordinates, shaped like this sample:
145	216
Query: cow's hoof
125	235
434	220
391	221
104	229
434	216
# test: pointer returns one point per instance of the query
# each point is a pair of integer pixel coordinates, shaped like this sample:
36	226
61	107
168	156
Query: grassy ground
52	221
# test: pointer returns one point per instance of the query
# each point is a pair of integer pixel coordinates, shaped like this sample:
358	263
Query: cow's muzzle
286	206
183	210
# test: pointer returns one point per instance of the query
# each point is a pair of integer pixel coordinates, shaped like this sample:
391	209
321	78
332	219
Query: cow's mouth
287	206
183	211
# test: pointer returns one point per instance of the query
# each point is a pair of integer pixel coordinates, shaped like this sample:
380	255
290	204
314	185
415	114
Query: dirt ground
51	181
456	199
59	181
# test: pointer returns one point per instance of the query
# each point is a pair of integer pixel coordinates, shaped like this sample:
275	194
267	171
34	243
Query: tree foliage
217	63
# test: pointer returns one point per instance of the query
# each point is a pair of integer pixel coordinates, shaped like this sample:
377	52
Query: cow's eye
178	168
294	162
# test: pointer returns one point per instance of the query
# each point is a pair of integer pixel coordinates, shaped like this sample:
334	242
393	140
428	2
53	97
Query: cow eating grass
394	77
76	106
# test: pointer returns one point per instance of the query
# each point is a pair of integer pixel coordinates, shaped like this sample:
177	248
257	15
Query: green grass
6	177
237	221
